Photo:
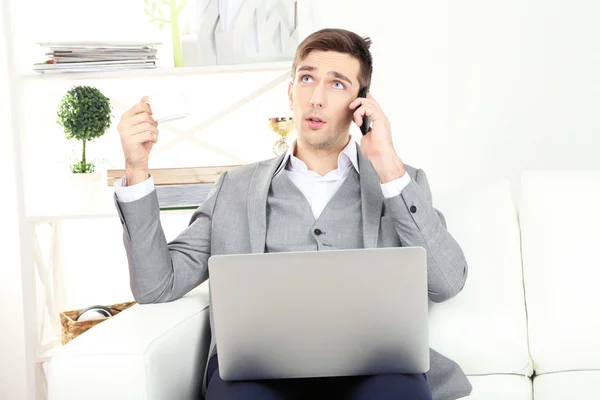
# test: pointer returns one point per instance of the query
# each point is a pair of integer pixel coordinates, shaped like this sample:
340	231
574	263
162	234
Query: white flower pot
87	192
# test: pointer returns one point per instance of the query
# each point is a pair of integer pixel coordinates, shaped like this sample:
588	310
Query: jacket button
317	231
413	209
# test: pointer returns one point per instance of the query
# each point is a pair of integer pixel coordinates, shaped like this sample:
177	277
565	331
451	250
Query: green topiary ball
84	113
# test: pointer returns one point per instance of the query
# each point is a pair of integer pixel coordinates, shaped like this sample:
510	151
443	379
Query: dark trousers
372	387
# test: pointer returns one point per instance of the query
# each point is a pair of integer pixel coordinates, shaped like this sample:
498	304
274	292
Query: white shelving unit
47	270
161	72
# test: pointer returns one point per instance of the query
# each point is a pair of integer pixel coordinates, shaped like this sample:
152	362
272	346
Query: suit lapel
257	202
371	199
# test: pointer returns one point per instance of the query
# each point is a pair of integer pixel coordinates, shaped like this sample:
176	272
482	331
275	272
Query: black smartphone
366	125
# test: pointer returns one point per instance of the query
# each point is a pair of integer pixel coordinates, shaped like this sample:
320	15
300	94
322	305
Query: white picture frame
230	32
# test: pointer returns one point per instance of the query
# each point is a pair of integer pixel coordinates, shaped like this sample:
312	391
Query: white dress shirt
317	189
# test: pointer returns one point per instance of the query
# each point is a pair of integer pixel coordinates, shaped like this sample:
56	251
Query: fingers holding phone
374	124
366	109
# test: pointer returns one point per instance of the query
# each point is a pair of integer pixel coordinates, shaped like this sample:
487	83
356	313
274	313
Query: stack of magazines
97	56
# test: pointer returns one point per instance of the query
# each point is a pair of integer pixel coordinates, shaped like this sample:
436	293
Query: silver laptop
320	313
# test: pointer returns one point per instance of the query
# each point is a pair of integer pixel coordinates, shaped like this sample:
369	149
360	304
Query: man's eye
306	79
340	85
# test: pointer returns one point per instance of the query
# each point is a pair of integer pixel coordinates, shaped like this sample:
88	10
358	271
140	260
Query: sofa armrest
150	351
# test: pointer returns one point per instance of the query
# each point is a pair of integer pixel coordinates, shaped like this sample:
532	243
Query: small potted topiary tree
84	113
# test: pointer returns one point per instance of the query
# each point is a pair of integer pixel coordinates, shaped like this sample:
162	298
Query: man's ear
290	95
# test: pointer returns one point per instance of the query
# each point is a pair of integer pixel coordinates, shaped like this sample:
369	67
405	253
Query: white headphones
94	312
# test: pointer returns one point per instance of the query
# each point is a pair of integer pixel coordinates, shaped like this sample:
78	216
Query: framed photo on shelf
231	32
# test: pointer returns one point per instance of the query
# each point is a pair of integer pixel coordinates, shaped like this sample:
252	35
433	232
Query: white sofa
525	326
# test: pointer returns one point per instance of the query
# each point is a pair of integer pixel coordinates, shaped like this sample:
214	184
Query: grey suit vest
291	225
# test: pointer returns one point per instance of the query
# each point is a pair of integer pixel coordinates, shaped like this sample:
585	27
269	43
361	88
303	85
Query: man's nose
318	97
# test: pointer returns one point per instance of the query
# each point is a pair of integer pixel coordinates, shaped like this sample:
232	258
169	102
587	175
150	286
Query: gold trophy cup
281	126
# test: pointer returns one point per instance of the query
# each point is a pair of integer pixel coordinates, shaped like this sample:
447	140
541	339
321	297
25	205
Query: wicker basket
71	328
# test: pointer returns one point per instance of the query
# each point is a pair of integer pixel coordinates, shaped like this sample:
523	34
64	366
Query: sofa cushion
500	387
483	328
567	385
560	223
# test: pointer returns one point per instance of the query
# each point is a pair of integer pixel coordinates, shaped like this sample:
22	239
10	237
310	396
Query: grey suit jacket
232	220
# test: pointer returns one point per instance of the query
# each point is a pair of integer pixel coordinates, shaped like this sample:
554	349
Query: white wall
16	362
498	86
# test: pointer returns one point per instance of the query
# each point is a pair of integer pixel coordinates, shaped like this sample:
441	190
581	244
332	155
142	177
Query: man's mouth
315	122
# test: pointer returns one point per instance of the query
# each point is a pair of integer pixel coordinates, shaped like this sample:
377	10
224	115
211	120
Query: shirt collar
347	157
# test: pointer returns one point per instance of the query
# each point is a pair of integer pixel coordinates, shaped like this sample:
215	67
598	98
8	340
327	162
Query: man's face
325	84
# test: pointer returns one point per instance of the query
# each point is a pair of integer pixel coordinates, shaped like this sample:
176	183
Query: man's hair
342	41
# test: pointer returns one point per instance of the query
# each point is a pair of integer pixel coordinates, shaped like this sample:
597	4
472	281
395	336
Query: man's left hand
377	144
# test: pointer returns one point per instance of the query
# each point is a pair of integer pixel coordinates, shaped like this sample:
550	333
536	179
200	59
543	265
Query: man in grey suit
325	193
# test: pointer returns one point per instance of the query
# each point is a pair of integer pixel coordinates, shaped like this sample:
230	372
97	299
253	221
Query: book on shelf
97	56
99	45
182	196
179	187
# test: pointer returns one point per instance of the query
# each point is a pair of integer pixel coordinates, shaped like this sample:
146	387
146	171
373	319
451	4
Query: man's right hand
138	132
